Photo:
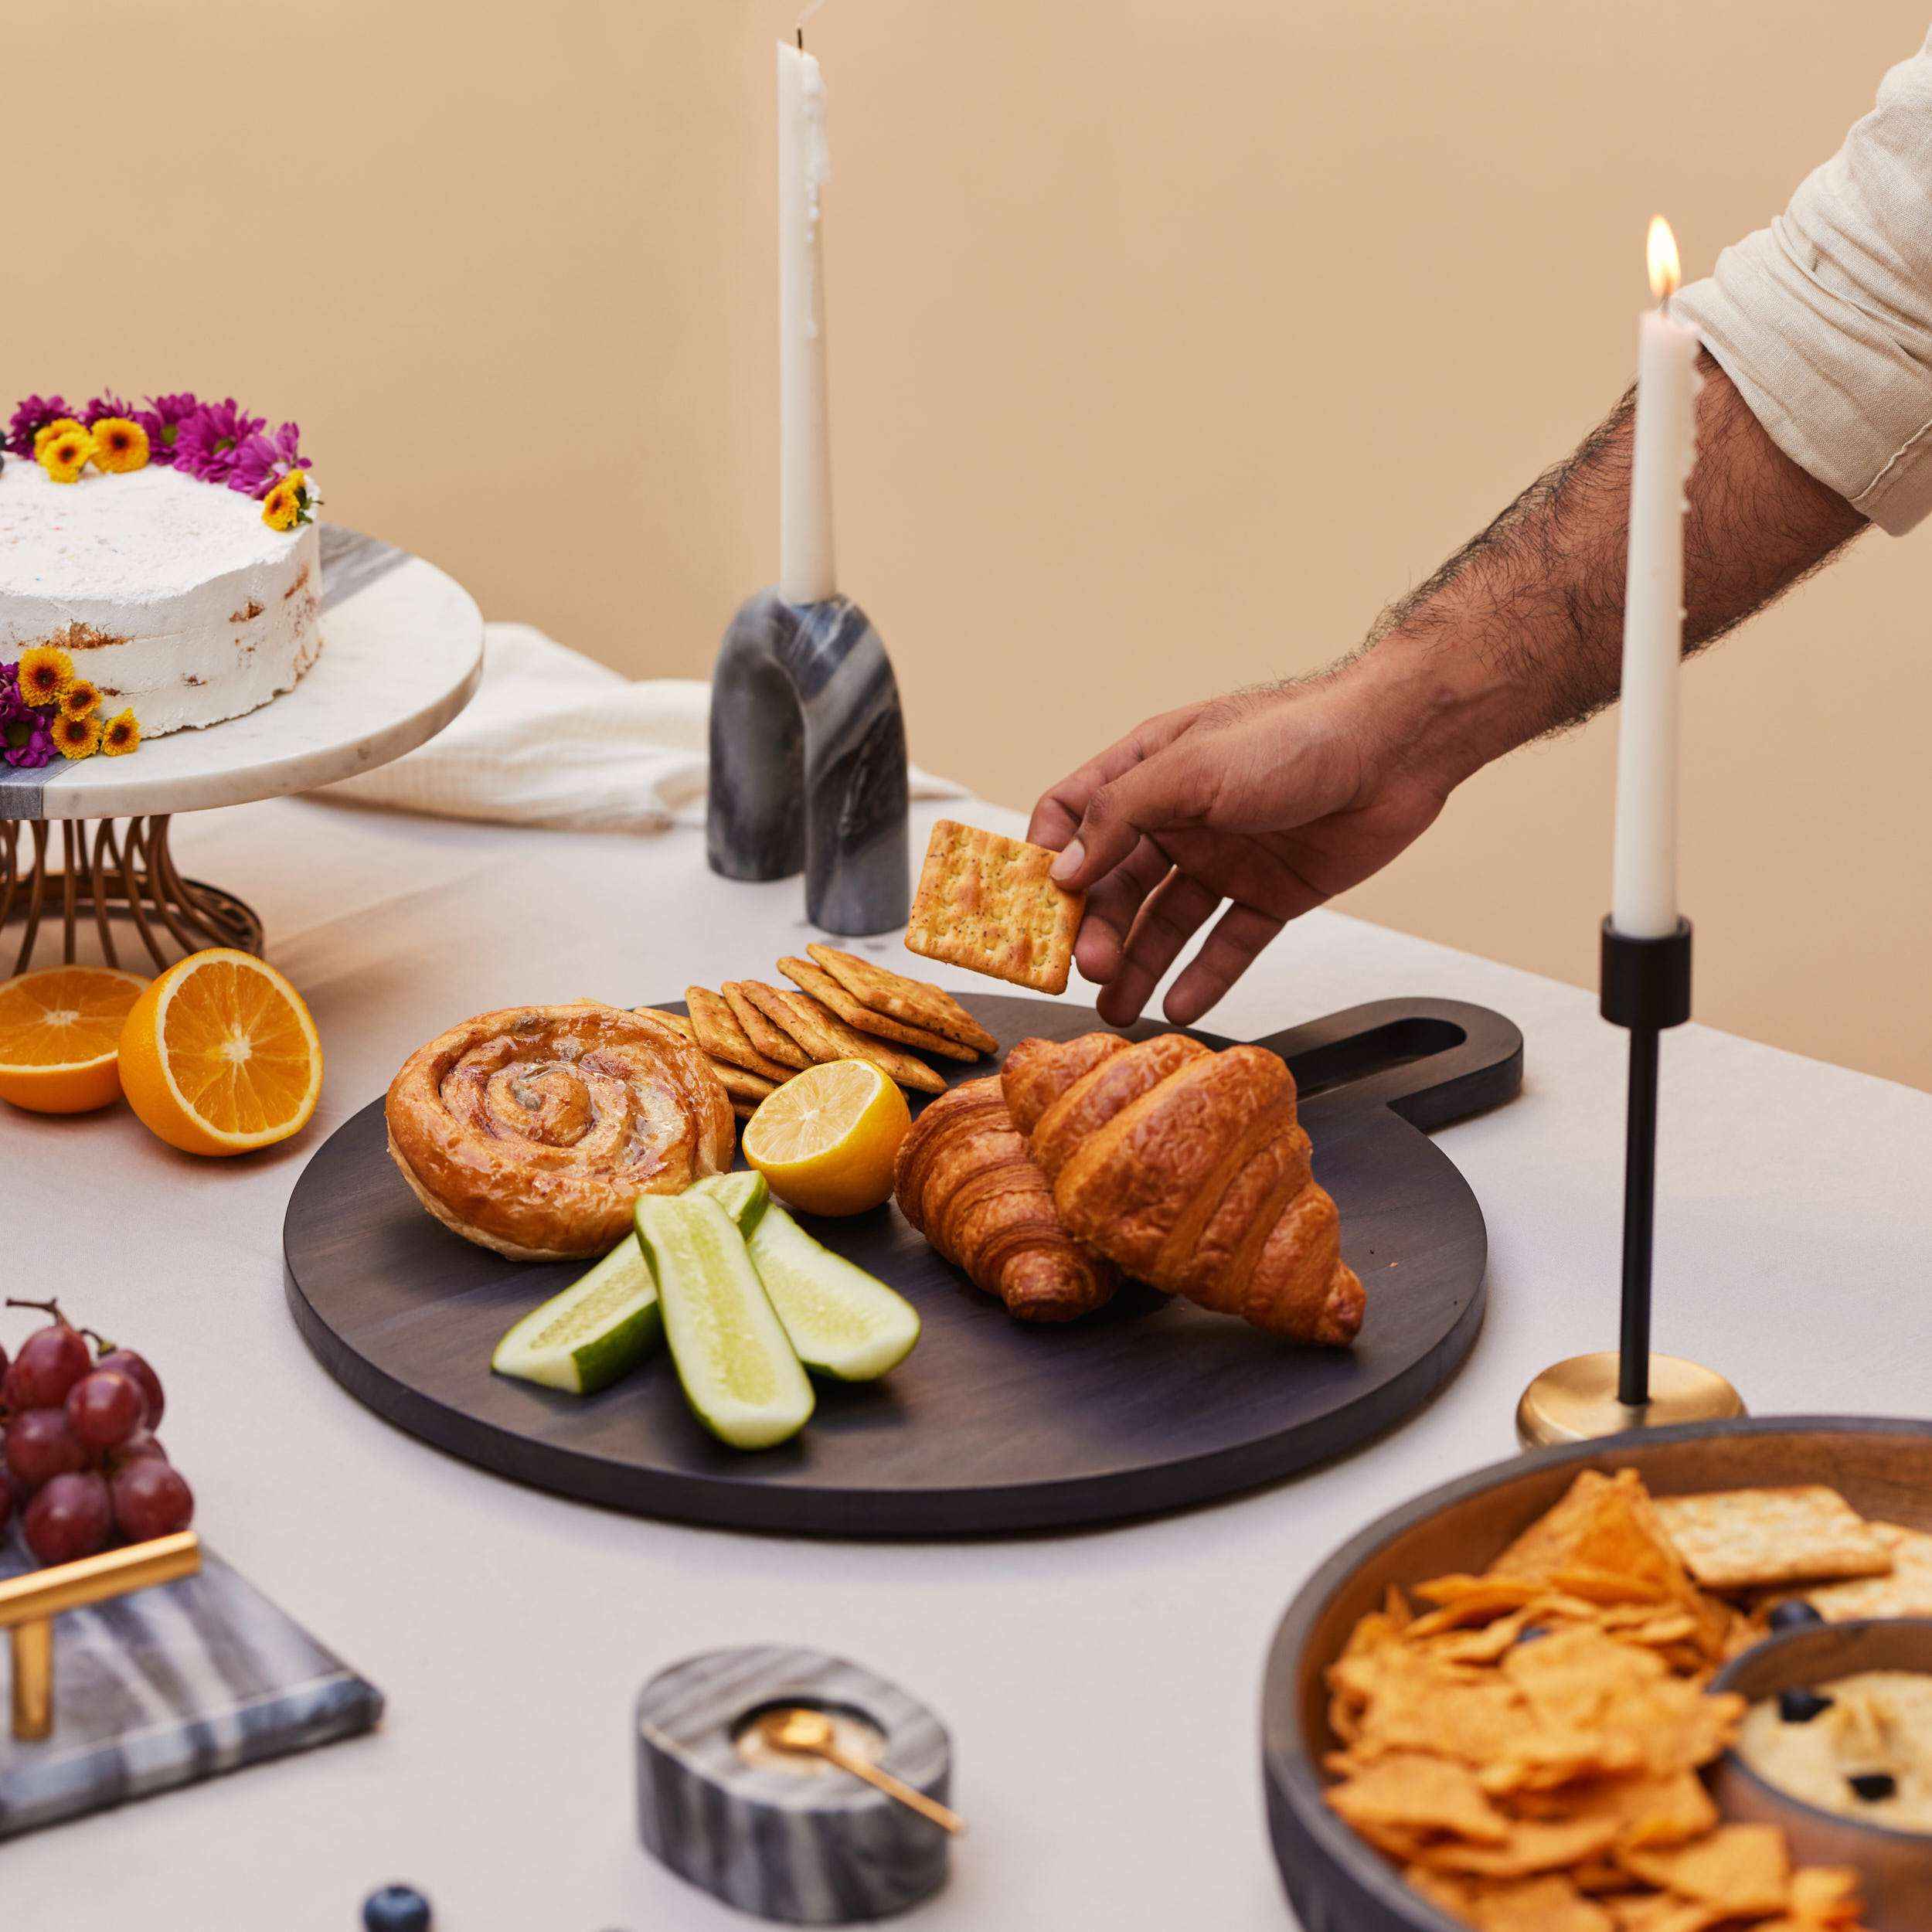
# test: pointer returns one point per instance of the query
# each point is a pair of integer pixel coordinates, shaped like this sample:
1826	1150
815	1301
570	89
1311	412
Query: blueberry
1794	1613
1530	1632
1874	1785
1799	1706
396	1908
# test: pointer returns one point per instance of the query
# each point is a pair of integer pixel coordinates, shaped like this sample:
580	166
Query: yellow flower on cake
80	699
120	445
77	737
60	426
120	735
282	507
46	673
65	456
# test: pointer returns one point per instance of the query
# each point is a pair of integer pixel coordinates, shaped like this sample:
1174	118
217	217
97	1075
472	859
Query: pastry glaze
1188	1169
965	1182
533	1130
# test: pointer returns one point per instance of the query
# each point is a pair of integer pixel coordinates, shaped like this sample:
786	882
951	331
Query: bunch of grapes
79	1464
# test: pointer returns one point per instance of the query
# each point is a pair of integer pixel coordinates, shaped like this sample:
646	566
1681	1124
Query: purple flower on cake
31	418
13	705
162	419
26	742
108	405
210	439
263	461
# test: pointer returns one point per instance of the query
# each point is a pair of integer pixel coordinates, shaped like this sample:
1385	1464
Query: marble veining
808	761
171	1685
809	1850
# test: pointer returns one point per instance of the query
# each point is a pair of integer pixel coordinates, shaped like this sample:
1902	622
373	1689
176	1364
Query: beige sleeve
1824	320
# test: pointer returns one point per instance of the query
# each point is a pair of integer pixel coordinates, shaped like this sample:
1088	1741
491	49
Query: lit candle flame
1665	275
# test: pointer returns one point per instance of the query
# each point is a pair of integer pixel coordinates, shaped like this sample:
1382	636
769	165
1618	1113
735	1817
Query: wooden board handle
1434	1061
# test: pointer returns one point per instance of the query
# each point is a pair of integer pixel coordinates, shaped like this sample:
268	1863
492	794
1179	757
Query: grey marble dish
812	1845
808	761
1894	1866
171	1685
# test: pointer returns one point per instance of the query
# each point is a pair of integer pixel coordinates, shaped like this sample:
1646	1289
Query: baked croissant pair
1096	1157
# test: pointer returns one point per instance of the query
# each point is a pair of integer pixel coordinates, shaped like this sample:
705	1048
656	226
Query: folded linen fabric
553	738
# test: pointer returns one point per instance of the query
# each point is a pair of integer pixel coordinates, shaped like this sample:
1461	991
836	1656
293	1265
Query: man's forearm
1520	633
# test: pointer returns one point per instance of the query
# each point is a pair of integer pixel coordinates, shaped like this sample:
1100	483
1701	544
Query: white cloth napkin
553	738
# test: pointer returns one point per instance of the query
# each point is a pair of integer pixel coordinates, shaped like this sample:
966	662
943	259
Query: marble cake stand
402	650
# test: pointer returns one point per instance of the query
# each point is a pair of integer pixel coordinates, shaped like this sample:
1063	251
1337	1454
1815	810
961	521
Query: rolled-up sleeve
1824	320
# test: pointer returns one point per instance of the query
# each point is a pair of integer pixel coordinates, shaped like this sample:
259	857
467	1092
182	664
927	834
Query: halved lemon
825	1142
220	1057
60	1037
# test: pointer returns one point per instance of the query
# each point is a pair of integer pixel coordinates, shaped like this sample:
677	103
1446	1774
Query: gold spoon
810	1734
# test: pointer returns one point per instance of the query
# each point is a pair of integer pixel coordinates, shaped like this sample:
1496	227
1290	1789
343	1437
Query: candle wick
800	32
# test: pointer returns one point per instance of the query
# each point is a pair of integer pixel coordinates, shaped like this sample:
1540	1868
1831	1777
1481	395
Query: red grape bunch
79	1464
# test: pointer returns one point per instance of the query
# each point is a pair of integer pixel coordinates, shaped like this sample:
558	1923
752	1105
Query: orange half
60	1036
220	1055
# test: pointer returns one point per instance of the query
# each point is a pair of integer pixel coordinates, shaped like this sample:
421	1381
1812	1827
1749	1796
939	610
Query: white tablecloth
1102	1689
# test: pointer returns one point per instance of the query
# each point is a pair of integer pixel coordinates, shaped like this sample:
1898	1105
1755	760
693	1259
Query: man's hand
1272	800
1276	801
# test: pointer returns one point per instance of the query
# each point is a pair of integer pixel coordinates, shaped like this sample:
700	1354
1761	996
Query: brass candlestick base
1576	1400
111	875
29	1603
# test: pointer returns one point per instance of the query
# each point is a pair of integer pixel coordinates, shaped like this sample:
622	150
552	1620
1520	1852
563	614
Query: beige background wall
1170	339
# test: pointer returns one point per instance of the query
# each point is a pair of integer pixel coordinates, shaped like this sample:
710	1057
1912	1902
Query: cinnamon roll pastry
532	1130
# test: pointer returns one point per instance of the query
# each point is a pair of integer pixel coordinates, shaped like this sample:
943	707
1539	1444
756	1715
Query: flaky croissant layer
1188	1169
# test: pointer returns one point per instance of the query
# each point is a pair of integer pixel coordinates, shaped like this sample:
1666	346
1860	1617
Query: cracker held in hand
1737	1539
986	902
916	1001
816	981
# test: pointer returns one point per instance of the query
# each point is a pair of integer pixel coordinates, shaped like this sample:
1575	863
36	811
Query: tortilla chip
1743	1870
1826	1895
1532	1846
816	981
1740	1539
1551	1903
719	1031
986	902
916	1001
1659	1912
769	1038
1906	1592
1411	1790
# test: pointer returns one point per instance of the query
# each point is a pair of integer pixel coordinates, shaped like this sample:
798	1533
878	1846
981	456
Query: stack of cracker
1525	1745
839	1006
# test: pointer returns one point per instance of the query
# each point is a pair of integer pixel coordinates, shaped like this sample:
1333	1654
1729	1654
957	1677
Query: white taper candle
1644	872
805	569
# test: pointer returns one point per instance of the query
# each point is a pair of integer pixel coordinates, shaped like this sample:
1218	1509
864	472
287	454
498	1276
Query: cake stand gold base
111	875
1575	1401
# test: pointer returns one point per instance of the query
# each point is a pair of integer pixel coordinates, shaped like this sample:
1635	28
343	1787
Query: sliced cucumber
600	1328
743	1196
739	1374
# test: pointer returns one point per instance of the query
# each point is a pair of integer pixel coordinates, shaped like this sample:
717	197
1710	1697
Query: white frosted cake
172	595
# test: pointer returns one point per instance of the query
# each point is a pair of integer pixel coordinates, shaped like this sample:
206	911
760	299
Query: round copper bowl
1895	1866
1336	1882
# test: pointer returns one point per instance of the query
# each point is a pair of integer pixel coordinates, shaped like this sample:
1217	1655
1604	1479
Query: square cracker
769	1038
986	902
916	1001
824	1035
1735	1539
719	1032
666	1022
1906	1592
818	983
742	1085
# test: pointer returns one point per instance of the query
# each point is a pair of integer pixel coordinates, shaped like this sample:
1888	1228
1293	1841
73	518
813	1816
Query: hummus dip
1860	1746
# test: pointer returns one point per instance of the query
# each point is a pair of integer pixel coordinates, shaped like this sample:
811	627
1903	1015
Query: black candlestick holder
808	761
1646	988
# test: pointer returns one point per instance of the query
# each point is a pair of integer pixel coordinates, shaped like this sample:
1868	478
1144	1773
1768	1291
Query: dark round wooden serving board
990	1426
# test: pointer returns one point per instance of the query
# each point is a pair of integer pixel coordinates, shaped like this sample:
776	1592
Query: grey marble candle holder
805	1843
808	761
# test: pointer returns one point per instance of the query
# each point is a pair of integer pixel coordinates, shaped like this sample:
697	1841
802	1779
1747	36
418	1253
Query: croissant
964	1181
1188	1169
